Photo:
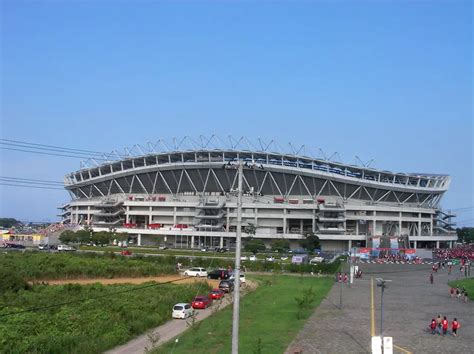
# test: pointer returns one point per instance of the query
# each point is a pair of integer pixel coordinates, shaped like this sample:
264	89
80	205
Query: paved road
410	302
167	331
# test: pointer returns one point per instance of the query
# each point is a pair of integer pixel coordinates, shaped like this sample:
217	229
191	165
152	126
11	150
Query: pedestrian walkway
410	302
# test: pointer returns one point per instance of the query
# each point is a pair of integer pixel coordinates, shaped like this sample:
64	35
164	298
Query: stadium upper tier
204	171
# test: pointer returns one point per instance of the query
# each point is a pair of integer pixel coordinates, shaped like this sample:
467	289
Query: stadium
184	194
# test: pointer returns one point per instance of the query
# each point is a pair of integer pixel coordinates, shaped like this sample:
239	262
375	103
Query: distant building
186	199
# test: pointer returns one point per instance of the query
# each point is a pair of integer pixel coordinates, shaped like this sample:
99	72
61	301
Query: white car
284	258
182	310
253	257
270	259
244	258
196	272
66	248
316	260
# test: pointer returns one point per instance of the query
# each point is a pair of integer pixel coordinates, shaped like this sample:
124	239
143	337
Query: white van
182	310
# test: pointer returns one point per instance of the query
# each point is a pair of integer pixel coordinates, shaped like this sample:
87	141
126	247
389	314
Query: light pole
238	242
381	283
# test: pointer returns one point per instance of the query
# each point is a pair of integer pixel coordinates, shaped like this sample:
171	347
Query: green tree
251	230
310	242
254	246
465	234
67	236
83	236
8	222
102	237
280	245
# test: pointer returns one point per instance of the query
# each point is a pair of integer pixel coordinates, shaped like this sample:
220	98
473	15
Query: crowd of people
465	252
440	326
387	255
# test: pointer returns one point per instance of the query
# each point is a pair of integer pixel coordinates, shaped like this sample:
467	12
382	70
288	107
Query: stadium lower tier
197	221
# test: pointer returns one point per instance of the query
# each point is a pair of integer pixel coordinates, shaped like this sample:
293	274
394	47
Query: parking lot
410	302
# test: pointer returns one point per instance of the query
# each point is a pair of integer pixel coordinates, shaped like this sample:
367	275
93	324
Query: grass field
43	266
467	283
109	315
270	318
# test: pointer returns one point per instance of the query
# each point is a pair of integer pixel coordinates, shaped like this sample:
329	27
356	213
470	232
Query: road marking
402	350
372	313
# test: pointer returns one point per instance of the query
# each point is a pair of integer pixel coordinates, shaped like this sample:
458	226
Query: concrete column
127	215
400	223
415	244
301	226
228	221
314	220
284	221
139	240
437	244
419	224
350	244
192	241
357	227
174	216
221	242
431	224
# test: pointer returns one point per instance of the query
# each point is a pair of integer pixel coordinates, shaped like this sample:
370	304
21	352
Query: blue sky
388	80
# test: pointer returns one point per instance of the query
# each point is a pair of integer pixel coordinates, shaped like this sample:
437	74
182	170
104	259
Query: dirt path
177	279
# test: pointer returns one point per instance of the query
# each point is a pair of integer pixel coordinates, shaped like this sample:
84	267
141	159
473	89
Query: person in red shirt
433	326
445	323
454	326
345	277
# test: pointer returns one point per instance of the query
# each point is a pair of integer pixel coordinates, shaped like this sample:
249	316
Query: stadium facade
185	197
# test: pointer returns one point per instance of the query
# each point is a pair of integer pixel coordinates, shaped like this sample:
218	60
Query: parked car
244	258
216	294
182	310
242	278
218	274
196	272
126	253
317	260
253	257
163	247
226	286
43	247
270	259
221	249
66	248
284	258
201	302
204	249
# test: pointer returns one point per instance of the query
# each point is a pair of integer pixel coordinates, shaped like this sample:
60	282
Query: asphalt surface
410	302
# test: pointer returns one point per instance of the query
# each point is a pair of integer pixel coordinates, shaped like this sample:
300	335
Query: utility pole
238	243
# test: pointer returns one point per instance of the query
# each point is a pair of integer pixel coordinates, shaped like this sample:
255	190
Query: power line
48	147
51	154
30	180
30	186
33	309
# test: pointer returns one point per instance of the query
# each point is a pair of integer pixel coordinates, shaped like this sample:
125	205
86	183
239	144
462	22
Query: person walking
433	326
438	324
452	291
454	326
431	278
445	324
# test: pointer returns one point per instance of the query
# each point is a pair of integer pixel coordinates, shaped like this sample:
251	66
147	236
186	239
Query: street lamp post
382	284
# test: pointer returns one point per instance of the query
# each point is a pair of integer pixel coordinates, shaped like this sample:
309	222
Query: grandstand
183	194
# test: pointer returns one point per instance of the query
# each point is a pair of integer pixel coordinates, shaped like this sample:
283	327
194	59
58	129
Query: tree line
87	236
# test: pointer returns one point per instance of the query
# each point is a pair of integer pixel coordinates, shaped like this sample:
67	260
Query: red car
201	302
216	294
126	253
